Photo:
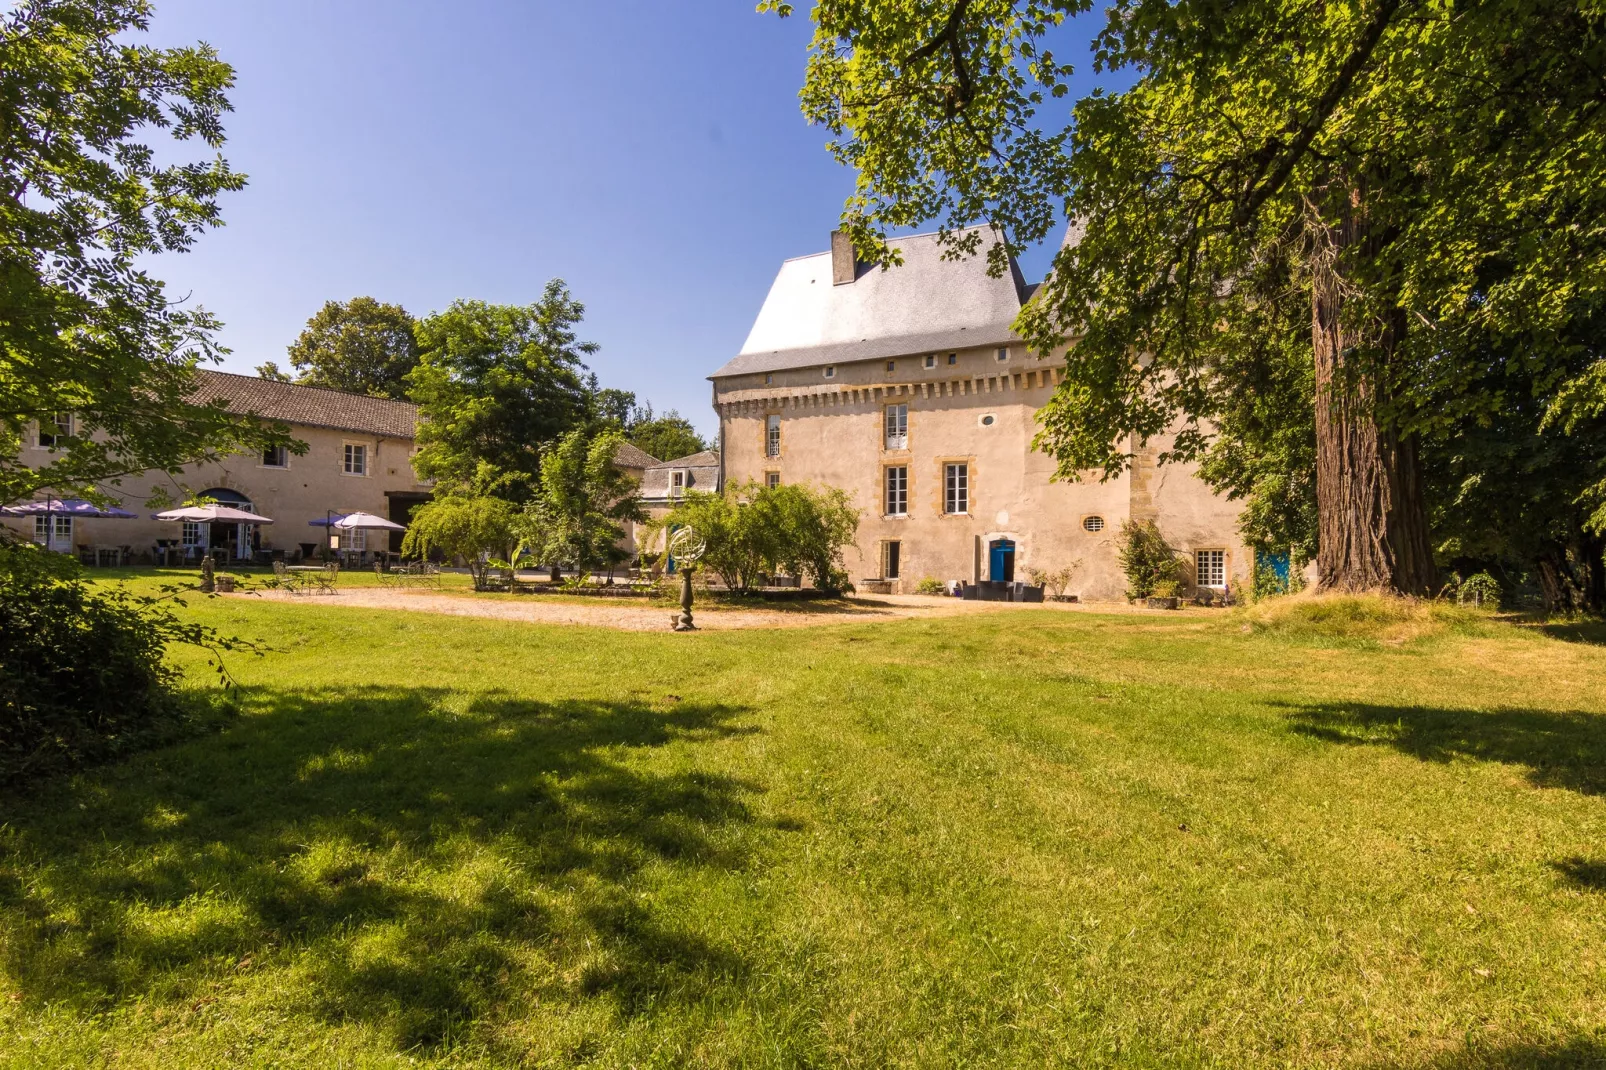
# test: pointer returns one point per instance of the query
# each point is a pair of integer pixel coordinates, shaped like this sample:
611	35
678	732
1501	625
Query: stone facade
293	493
967	498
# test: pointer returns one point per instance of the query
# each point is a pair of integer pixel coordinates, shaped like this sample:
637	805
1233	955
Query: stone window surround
367	455
941	509
908	491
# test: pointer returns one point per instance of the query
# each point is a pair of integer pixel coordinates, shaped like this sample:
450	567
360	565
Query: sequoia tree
1423	179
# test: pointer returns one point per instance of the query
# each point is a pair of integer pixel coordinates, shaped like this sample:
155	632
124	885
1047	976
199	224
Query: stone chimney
844	265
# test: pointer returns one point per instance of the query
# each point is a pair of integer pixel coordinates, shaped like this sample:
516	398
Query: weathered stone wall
832	433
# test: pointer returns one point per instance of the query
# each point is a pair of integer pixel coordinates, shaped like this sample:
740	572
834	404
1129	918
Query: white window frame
354	539
830	371
282	455
46	524
679	478
1093	523
956	488
63	424
895	426
772	479
346	456
772	435
1214	575
190	534
1002	354
931	360
895	490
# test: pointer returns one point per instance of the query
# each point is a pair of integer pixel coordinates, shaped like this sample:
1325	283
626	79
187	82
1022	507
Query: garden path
633	616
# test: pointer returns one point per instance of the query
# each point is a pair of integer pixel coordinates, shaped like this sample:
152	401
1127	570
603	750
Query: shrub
479	528
1147	559
1054	583
1480	589
752	531
82	674
930	586
1165	589
1265	583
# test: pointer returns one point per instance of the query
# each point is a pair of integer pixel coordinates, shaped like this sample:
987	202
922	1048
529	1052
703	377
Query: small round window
1093	523
988	420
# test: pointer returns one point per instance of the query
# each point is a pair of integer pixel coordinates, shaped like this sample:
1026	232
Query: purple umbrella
69	507
65	507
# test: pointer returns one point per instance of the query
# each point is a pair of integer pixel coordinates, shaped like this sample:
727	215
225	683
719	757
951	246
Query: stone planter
1067	598
1162	603
225	585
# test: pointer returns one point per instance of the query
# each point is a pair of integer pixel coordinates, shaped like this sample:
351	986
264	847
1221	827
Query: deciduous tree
362	346
497	384
84	199
1421	178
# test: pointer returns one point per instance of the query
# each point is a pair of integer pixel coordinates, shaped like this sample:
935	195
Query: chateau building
908	388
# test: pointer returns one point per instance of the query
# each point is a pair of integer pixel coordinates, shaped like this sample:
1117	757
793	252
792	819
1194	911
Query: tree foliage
362	346
667	437
1147	559
1420	182
496	384
83	201
473	524
83	674
578	512
752	531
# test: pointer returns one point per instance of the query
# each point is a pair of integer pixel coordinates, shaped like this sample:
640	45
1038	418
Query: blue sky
650	154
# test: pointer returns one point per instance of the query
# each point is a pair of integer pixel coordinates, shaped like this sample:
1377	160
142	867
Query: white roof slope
926	303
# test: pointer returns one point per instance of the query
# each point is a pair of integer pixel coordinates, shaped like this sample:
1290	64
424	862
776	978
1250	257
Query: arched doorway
237	539
1001	560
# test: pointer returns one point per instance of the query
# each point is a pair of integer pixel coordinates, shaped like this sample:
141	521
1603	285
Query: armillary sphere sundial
686	548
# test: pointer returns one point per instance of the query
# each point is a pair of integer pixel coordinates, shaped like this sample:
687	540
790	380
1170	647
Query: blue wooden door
1001	560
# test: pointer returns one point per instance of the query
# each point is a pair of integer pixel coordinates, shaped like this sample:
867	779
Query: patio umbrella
75	507
366	522
208	514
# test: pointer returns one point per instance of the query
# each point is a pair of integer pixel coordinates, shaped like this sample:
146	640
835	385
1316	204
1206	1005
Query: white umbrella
208	514
366	522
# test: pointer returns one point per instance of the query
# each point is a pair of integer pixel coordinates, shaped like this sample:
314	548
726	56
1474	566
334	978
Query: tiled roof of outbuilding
630	455
702	469
309	406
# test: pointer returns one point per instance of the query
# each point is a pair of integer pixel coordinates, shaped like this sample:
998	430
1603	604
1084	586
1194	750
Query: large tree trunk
1373	531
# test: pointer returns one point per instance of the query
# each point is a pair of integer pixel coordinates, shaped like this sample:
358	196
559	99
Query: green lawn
1023	839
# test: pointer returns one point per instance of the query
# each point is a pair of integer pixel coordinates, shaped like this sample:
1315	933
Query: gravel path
608	613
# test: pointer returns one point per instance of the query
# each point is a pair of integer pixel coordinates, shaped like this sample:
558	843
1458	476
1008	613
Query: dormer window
677	483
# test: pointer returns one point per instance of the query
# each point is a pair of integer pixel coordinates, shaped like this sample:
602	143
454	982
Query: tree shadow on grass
1589	874
1583	630
401	856
1572	1054
1557	749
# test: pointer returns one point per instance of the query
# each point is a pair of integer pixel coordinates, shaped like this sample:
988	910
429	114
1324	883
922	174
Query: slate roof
308	406
630	455
926	304
704	468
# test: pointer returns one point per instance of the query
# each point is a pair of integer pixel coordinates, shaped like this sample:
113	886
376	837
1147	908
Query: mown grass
1027	838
